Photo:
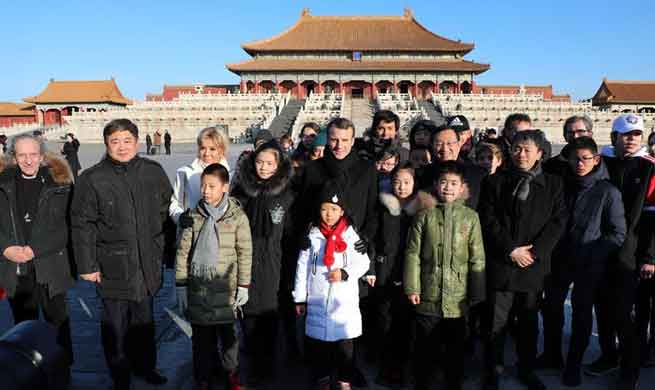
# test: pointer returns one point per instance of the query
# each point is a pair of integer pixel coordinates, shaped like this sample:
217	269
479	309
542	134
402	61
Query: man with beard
632	171
384	132
118	221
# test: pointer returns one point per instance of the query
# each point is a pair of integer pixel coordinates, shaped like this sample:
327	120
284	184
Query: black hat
330	194
262	137
458	123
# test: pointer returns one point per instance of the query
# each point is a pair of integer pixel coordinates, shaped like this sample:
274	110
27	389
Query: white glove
182	302
242	296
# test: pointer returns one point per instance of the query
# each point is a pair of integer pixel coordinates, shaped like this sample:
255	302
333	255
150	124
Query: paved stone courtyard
174	346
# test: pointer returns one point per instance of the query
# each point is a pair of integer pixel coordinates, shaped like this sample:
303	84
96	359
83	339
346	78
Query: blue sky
145	44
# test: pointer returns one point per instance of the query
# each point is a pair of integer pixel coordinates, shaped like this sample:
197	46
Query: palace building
625	96
359	56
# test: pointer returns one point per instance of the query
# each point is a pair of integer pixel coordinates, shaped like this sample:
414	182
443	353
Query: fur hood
250	184
57	168
421	201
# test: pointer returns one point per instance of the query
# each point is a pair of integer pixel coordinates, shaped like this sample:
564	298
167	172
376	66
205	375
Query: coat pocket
114	262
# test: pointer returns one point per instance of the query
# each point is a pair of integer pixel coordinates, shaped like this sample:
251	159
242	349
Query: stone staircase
360	112
434	112
283	123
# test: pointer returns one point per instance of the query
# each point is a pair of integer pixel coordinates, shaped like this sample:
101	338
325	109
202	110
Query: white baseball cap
626	123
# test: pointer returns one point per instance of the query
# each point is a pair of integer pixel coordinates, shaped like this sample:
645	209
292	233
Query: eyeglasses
583	159
578	132
442	144
388	164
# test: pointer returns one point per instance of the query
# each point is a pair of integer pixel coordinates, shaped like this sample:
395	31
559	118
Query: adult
446	146
632	171
212	148
308	132
523	214
118	216
384	132
3	144
575	126
70	150
35	268
460	124
167	142
420	134
263	189
148	144
515	123
157	141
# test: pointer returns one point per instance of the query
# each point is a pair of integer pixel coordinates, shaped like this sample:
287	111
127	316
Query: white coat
186	192
332	308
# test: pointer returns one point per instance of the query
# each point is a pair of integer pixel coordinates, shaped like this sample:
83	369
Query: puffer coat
211	302
332	308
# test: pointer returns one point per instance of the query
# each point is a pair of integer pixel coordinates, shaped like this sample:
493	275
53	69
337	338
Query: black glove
185	220
361	246
305	243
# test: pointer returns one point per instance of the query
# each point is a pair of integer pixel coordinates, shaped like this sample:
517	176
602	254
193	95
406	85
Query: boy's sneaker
343	386
602	366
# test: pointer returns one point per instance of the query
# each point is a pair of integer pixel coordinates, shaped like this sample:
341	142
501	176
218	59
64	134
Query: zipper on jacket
13	226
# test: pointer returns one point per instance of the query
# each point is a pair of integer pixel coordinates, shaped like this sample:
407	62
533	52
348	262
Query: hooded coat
373	145
118	220
332	308
51	232
266	202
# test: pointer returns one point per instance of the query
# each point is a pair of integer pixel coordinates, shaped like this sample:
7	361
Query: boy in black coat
594	233
523	214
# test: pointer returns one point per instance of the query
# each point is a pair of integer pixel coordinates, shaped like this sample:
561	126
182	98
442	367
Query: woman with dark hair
263	189
309	131
69	150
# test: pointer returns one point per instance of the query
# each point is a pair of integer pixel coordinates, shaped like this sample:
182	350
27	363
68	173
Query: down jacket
211	302
50	235
444	260
118	220
332	308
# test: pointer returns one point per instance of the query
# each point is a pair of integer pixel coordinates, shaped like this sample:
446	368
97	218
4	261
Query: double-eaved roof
96	91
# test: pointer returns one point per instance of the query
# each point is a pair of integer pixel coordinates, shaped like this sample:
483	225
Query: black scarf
337	169
522	189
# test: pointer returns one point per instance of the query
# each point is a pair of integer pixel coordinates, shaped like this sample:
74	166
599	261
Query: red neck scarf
334	240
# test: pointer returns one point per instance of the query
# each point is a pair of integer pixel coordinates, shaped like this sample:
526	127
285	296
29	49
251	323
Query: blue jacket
596	228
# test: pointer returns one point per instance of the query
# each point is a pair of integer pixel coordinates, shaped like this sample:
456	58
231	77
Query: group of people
154	146
404	257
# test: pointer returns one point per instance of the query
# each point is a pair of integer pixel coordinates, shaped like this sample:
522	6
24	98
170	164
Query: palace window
357	56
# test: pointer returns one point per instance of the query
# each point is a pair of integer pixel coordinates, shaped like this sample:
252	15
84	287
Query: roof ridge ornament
305	12
408	13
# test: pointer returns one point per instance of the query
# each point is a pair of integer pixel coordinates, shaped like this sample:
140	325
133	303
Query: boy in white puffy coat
327	290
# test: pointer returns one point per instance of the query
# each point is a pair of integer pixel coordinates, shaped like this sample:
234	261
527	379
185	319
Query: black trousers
391	316
128	337
430	334
524	305
30	296
335	359
587	286
260	334
645	314
614	317
206	355
168	148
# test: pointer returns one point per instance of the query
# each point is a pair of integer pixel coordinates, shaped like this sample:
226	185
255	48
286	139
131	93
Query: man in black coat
523	214
575	126
384	133
118	217
167	142
446	146
633	172
35	269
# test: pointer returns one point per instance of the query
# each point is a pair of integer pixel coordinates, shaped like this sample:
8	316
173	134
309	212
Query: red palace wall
8	121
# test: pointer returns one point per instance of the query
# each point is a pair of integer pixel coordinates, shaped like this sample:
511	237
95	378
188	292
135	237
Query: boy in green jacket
444	276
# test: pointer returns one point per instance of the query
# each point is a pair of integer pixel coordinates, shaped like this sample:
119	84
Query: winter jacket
369	148
445	261
596	227
508	223
635	179
273	198
50	232
211	302
186	192
118	225
332	308
357	181
473	176
395	220
70	151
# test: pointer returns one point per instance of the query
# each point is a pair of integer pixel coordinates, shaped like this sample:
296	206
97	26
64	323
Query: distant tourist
318	146
148	144
574	127
70	150
286	143
157	141
167	142
118	219
3	144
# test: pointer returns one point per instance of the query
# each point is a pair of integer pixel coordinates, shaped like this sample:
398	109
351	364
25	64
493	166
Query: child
488	156
327	290
444	276
214	258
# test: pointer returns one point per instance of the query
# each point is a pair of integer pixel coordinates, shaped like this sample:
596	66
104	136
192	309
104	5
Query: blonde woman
213	147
